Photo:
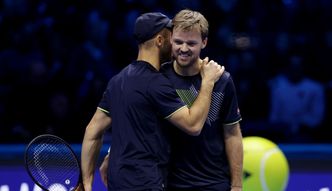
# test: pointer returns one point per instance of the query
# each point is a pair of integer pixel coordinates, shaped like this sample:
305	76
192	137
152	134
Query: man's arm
191	120
234	151
92	142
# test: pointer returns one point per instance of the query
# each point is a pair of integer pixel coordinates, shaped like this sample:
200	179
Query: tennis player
213	160
134	104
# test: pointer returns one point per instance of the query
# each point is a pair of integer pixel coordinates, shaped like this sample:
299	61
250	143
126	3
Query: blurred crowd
56	57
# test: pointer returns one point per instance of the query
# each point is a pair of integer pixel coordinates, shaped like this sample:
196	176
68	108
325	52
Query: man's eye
191	44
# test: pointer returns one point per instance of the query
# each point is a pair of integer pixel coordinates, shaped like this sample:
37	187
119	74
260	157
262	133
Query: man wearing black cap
134	103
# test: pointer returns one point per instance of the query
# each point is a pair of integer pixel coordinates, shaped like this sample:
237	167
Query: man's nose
184	47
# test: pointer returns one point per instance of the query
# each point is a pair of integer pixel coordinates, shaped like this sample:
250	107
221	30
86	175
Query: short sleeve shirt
199	161
137	99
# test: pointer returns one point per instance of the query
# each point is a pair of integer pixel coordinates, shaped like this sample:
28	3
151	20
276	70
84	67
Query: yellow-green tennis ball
265	167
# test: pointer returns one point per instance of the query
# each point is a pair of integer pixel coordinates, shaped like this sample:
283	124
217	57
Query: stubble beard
165	54
187	64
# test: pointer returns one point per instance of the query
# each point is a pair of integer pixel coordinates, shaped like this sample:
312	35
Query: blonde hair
188	20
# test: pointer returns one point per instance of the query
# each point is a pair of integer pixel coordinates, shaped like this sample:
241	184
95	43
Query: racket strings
53	164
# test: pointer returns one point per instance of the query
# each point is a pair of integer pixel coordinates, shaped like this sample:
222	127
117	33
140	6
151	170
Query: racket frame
60	140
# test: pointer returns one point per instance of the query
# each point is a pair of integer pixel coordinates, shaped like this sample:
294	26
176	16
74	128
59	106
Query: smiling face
187	46
189	37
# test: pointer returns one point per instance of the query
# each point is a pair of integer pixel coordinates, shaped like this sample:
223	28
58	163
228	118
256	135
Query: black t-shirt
138	99
201	160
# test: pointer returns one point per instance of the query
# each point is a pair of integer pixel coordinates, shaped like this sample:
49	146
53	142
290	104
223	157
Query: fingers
79	187
221	70
103	175
211	70
103	170
213	62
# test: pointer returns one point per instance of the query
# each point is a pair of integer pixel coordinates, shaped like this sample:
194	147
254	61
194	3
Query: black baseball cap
149	24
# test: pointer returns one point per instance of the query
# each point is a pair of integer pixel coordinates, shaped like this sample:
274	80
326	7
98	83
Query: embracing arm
191	120
234	151
92	142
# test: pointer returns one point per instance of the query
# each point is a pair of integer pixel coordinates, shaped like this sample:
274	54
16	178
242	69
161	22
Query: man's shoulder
226	76
225	81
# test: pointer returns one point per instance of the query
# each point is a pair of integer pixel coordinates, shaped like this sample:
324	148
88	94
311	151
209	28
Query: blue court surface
310	168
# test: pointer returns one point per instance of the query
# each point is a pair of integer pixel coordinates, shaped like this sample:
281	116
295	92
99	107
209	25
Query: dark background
56	57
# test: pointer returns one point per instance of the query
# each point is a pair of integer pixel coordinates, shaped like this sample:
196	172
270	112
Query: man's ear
205	40
159	39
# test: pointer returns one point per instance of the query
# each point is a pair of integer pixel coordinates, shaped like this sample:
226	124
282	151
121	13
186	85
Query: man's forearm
192	120
89	157
200	108
210	74
92	142
234	149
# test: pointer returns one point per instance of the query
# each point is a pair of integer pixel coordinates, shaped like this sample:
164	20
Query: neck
150	55
189	70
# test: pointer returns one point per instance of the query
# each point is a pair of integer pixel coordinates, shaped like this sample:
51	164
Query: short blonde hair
188	20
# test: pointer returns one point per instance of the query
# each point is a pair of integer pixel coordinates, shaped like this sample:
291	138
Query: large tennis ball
265	167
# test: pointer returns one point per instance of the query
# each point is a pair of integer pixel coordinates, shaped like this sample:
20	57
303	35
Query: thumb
205	60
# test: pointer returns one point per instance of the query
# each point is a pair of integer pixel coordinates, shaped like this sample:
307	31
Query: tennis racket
52	164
